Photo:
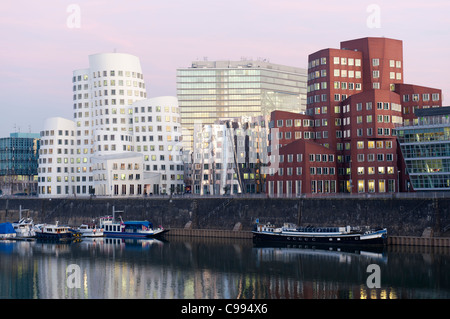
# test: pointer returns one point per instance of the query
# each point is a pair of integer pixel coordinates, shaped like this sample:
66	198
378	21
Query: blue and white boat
7	231
129	229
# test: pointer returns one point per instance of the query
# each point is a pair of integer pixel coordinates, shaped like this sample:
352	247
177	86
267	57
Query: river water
194	268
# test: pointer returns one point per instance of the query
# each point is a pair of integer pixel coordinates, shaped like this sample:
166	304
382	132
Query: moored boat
24	228
290	233
7	231
129	229
90	230
56	232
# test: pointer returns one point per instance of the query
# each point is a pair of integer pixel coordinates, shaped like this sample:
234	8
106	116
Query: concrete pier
418	220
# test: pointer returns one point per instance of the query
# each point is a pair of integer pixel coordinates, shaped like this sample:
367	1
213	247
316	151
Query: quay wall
415	217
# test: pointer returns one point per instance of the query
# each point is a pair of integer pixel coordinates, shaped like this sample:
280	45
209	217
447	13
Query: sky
43	42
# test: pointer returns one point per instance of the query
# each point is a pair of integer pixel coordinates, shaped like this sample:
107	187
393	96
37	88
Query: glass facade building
19	154
425	146
212	90
19	163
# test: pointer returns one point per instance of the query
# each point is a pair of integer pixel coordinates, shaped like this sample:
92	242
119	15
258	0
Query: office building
356	97
425	146
298	164
361	85
212	90
19	163
229	157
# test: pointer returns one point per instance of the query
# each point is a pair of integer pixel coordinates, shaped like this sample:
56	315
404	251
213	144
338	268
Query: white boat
7	231
24	228
90	230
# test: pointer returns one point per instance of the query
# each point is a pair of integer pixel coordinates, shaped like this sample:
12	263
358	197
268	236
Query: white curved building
57	165
157	133
114	121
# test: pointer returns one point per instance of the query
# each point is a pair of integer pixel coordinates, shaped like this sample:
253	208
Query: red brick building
356	96
298	164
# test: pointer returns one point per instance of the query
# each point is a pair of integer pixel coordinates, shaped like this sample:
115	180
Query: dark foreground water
189	268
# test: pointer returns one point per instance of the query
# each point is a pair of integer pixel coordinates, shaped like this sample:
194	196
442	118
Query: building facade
114	123
19	163
357	96
298	164
425	146
210	90
345	142
230	157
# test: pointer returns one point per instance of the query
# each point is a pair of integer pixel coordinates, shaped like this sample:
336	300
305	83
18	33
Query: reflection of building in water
116	272
119	280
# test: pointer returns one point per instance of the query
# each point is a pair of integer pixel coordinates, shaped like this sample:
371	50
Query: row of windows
424	135
99	84
106	101
224	97
219	79
214	105
336	61
425	97
426	150
291	188
359	107
361	170
234	176
104	73
371	157
78	190
295	122
433	182
371	184
102	102
336	84
200	93
429	166
346	61
214	73
65	160
347	73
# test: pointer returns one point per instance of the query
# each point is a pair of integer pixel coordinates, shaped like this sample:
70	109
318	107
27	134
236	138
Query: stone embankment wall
402	217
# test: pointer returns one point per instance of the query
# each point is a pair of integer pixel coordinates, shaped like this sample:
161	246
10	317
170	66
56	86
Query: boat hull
134	235
7	235
378	238
49	236
89	234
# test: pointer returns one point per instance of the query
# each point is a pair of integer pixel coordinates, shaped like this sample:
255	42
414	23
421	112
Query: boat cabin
52	229
266	228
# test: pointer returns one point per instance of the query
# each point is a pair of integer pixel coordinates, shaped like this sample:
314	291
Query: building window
361	186
371	185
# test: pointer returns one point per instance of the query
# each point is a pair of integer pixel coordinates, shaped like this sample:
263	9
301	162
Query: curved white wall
113	118
56	173
157	131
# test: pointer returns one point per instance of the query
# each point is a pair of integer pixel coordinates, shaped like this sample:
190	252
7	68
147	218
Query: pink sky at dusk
39	51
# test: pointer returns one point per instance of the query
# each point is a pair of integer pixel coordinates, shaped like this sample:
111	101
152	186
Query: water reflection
204	269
